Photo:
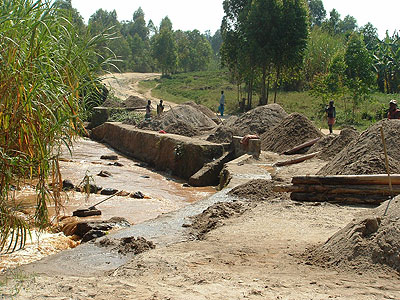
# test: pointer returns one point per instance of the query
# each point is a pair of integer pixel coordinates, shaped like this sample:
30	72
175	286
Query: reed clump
44	67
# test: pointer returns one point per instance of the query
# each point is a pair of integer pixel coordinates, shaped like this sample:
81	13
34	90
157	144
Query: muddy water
163	193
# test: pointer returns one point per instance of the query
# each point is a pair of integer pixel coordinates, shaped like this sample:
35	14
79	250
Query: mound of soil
365	155
205	110
180	119
335	144
127	245
255	190
223	134
131	101
213	217
292	131
259	120
370	241
322	144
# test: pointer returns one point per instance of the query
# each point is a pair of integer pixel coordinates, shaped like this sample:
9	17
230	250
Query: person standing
147	116
331	115
222	104
160	108
394	112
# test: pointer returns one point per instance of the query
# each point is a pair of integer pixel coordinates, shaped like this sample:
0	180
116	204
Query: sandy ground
258	255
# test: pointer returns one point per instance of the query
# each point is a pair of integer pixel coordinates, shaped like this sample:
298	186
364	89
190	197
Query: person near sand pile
394	112
147	116
331	115
222	104
160	108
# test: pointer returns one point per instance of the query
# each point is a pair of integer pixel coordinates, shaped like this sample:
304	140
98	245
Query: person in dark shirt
331	115
160	108
147	116
394	112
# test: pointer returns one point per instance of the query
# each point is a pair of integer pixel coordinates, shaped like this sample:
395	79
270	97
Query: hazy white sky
207	14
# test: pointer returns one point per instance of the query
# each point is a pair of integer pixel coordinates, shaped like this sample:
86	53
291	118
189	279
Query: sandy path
124	85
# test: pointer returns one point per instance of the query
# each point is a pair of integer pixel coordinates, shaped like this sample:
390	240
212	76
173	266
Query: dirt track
258	255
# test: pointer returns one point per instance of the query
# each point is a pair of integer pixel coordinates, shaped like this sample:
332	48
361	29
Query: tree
317	12
164	48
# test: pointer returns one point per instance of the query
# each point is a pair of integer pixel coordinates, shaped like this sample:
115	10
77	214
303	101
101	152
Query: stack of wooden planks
347	189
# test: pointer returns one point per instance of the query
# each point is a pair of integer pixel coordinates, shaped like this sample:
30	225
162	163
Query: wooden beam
301	146
296	160
379	179
335	198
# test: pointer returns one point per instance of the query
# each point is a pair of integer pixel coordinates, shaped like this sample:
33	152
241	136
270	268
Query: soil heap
292	131
131	101
370	241
182	119
255	190
205	110
259	120
331	145
223	134
365	154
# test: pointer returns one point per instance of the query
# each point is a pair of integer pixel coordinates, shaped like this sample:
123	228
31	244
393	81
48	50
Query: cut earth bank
261	251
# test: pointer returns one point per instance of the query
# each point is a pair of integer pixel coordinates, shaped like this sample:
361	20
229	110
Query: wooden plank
339	189
343	199
301	146
378	179
296	160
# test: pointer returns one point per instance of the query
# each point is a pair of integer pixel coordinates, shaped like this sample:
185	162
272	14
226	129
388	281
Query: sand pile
223	134
365	154
182	119
131	101
292	131
331	145
214	217
371	240
205	110
255	190
259	120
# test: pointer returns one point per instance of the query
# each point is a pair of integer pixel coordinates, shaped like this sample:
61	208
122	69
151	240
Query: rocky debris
331	146
89	230
109	191
370	241
189	118
205	110
365	154
123	193
258	120
214	217
127	245
109	157
137	195
222	134
104	174
255	190
67	185
86	212
117	164
294	130
91	188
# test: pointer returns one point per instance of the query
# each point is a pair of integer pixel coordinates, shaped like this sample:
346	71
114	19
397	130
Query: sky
207	14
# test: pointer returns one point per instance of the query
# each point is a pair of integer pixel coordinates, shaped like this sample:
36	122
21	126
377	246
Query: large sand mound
205	110
371	240
173	120
331	145
259	119
294	130
365	154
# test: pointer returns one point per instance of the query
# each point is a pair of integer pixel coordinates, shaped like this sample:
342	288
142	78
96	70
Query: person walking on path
147	116
331	115
222	104
394	112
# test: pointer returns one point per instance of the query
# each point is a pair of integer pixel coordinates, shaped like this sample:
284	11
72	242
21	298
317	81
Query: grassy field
205	88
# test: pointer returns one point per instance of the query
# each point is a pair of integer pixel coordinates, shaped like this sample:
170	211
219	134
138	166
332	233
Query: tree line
141	46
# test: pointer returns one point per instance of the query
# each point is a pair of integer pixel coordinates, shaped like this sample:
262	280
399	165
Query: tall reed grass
44	67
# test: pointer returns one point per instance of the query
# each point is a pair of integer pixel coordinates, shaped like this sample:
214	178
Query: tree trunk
278	74
263	99
343	198
378	179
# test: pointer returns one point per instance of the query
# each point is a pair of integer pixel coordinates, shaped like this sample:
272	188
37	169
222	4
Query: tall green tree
317	12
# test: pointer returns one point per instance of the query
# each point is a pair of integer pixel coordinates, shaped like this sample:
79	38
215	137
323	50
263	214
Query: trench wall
183	156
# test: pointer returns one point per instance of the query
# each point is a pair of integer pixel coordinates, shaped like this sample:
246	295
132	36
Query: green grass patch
205	88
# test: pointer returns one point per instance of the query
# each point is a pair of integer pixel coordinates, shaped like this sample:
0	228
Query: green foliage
317	12
45	63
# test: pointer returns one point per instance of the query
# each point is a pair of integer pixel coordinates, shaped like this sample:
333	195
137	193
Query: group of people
160	109
393	113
